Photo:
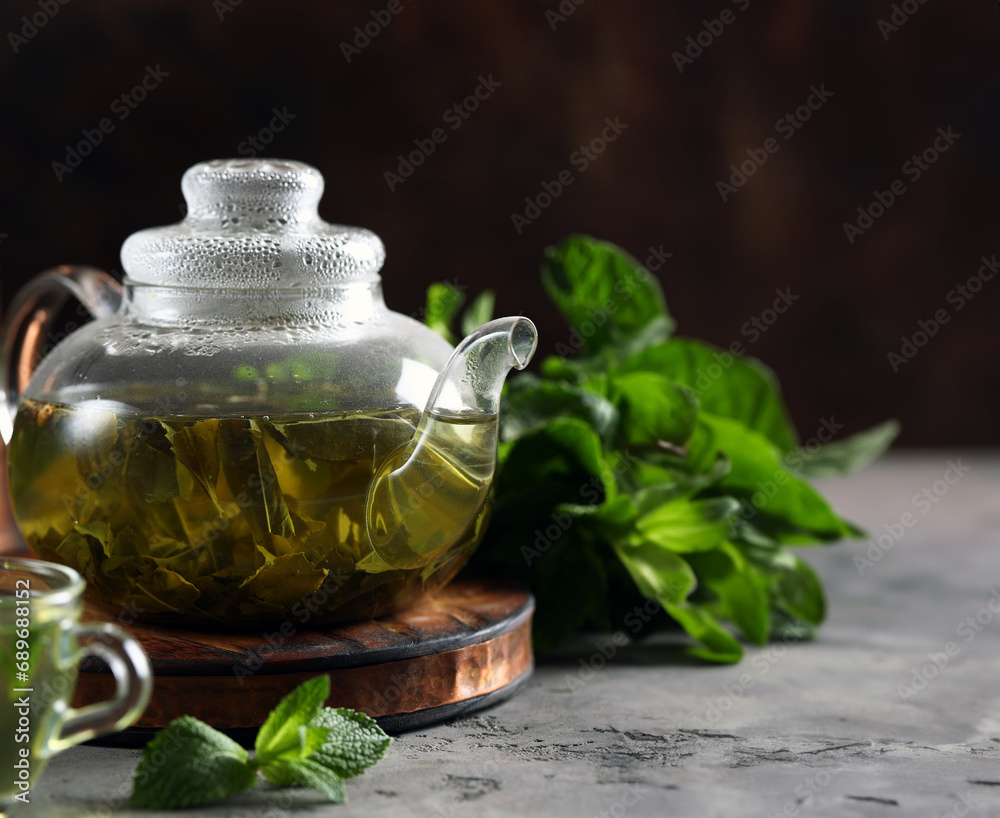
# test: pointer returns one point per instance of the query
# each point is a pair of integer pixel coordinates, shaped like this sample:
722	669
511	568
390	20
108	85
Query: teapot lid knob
259	193
252	223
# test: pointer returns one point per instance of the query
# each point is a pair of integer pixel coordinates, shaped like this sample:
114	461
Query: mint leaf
717	644
741	592
531	402
741	389
604	294
564	454
689	525
653	409
798	590
784	506
479	312
443	303
285	734
306	773
354	743
659	574
188	764
845	456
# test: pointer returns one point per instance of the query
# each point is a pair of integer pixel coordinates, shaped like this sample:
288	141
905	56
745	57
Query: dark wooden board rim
139	737
444	655
386	689
342	646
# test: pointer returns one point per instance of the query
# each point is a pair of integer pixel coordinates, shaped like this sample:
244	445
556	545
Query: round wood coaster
463	649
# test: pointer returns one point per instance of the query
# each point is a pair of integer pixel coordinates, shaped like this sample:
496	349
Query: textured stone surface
813	729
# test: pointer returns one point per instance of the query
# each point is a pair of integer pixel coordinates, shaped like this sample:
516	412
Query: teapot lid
252	224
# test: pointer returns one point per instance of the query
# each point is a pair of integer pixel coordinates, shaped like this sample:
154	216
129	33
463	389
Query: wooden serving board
461	650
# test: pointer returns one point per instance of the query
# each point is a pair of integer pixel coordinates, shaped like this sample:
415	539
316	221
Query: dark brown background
656	185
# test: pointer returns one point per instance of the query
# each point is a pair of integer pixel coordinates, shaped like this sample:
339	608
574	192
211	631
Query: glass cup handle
26	335
133	686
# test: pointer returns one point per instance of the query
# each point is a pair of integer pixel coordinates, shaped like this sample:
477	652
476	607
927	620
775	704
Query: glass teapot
246	432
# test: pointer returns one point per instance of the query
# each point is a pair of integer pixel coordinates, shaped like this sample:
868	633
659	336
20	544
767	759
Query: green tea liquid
239	519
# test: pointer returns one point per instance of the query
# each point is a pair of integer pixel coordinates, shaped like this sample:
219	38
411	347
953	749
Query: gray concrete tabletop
893	710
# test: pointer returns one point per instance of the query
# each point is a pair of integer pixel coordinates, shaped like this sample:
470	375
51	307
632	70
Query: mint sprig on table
189	763
638	465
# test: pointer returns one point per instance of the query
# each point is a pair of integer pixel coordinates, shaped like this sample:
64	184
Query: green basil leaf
779	503
845	456
689	525
742	389
741	591
658	574
653	410
798	590
479	312
530	402
717	644
603	293
556	461
444	300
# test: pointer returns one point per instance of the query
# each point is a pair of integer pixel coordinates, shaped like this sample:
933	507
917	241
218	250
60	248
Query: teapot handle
27	330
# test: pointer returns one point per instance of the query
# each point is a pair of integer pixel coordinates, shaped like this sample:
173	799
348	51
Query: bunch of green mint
641	466
302	743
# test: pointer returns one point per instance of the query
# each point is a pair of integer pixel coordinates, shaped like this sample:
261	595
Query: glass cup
41	644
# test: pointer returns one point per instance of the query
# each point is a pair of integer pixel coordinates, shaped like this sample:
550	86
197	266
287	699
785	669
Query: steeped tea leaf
249	474
95	437
285	580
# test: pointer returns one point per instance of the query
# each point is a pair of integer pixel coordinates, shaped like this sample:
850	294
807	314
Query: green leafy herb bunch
638	465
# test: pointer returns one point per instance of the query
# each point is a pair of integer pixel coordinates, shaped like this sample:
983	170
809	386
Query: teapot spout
429	493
